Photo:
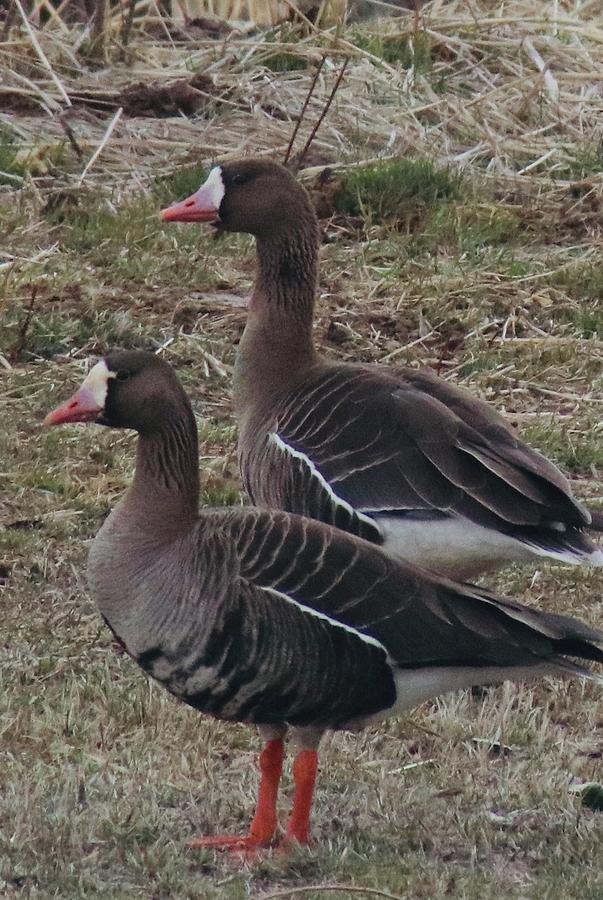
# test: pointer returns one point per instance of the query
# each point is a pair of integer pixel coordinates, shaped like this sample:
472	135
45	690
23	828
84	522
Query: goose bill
88	403
83	406
203	205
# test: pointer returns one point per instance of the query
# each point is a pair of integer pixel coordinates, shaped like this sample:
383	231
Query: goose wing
383	442
414	618
274	618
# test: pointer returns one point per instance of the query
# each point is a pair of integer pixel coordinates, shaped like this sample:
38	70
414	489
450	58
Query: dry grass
497	283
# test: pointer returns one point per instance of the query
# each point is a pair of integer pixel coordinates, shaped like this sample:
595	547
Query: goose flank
399	457
277	620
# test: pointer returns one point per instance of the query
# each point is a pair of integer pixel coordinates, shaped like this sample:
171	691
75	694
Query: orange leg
305	768
263	826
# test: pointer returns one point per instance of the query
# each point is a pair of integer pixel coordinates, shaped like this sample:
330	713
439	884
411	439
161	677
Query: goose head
255	196
125	389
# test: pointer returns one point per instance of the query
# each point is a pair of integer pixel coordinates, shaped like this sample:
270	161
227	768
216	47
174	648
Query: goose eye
123	375
240	179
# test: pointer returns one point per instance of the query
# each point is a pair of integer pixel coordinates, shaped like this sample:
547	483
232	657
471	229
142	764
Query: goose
399	457
270	618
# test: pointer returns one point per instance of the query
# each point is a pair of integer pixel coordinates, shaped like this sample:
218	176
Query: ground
476	253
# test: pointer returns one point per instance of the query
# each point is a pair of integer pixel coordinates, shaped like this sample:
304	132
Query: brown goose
270	618
401	458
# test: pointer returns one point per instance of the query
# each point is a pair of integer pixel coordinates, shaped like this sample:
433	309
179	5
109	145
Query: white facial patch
213	189
97	382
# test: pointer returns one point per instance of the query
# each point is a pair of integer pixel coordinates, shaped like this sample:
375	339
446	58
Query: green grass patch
479	228
404	50
215	493
468	229
396	189
588	323
286	62
179	184
10	172
575	452
130	243
53	333
583	282
17	162
95	225
484	361
584	161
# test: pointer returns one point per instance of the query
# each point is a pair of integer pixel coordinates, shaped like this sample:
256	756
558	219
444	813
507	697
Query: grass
286	62
397	190
177	185
17	162
487	277
582	281
55	333
281	60
577	451
470	228
584	161
405	50
589	323
10	173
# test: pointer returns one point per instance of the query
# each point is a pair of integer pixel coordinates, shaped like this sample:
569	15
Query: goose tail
569	546
567	668
571	641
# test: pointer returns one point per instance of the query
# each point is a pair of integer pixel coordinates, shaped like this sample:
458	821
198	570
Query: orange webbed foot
289	846
264	825
247	847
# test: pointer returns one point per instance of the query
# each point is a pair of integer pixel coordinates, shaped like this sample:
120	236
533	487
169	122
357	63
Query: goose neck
277	345
287	273
165	492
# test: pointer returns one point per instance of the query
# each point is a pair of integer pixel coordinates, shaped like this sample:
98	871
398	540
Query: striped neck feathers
277	346
165	490
287	274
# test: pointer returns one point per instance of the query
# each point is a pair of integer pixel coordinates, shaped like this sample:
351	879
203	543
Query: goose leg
305	768
263	826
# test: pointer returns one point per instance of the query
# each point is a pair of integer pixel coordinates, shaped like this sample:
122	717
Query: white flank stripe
318	615
314	473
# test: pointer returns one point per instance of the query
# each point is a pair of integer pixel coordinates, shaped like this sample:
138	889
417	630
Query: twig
406	347
538	162
324	112
98	26
41	256
12	177
549	79
41	54
561	395
300	118
331	888
21	341
49	8
71	138
127	26
298	13
8	22
102	144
